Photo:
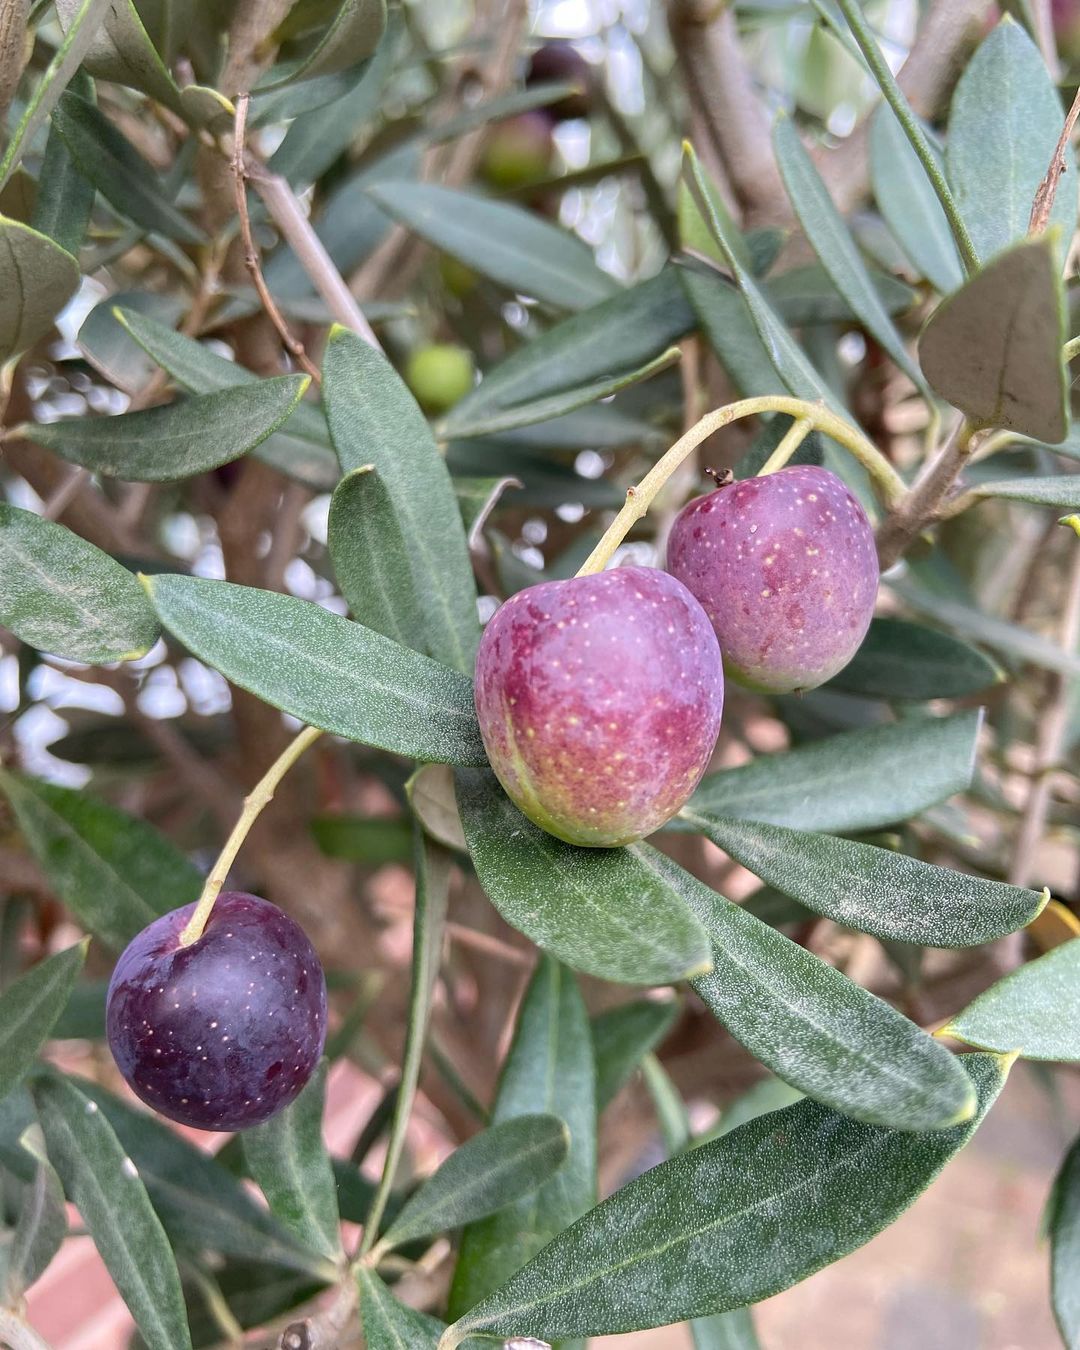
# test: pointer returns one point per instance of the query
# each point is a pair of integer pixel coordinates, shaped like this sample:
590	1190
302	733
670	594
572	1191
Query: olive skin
599	701
226	1032
785	568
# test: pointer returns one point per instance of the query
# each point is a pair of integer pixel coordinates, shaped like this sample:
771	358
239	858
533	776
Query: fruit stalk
815	415
257	799
793	438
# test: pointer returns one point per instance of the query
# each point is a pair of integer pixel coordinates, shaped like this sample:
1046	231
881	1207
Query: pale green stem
432	879
894	97
259	797
796	434
641	497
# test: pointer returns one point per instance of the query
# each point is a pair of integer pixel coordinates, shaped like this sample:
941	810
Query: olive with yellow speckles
599	700
785	567
224	1033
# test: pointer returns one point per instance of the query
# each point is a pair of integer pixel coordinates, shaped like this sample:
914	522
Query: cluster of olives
599	701
599	698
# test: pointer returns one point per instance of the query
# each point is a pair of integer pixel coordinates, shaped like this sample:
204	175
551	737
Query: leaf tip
1006	1058
84	945
697	972
967	1110
1044	900
1072	522
147	583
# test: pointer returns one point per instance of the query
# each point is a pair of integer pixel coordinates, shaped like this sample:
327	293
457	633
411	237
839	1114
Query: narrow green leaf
30	1008
558	405
732	1330
670	1108
372	559
859	780
807	295
1031	1010
289	1160
103	1182
791	364
390	1325
549	1069
434	804
114	872
374	420
697	1235
1004	123
1064	1223
874	890
301	449
610	340
80	34
812	1026
37	279
506	243
770	1094
1061	491
324	669
830	240
906	661
111	349
598	910
64	197
493	1169
731	332
177	440
123	53
993	348
431	869
352	34
1009	639
909	203
202	1206
318	136
371	840
64	596
39	1230
106	158
623	1036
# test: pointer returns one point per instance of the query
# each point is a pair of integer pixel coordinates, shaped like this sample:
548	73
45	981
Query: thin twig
1047	189
65	494
490	946
722	90
288	215
922	502
251	253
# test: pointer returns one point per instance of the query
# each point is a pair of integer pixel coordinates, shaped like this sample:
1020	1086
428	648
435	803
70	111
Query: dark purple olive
224	1033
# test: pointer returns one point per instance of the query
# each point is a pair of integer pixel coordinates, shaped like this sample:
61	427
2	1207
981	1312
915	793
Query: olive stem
816	415
793	438
259	797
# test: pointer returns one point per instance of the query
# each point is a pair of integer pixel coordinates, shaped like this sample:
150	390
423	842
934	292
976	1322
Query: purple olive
599	701
224	1033
785	567
559	63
